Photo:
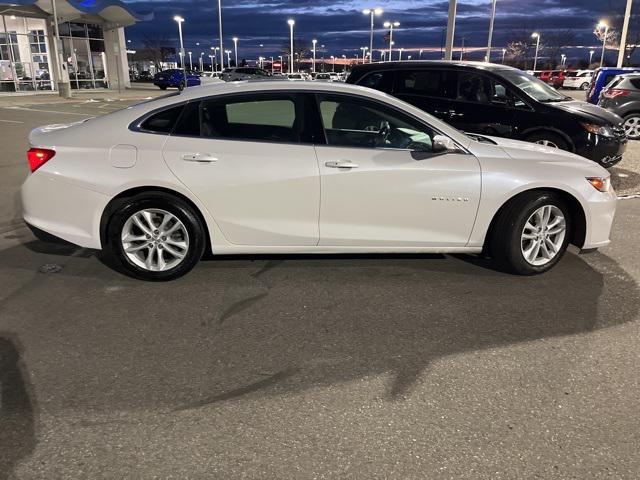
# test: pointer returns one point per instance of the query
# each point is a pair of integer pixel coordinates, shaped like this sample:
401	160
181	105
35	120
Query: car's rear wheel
584	86
548	139
181	86
532	233
632	126
163	87
155	236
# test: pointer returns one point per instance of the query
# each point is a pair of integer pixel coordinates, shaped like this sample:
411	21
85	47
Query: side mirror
443	144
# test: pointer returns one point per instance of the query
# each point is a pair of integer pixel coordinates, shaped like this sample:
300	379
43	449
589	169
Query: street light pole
390	26
281	62
420	55
271	65
314	42
228	52
179	19
451	28
400	54
493	18
190	61
536	35
504	51
235	49
291	23
591	56
220	34
623	37
372	12
604	39
462	49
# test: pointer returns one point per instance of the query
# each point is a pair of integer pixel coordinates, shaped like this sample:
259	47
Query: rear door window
430	83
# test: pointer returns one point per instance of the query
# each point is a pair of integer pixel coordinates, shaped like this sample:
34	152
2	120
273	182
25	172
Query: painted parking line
49	111
10	121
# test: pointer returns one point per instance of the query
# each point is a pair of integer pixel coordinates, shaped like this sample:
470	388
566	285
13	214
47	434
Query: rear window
432	83
635	82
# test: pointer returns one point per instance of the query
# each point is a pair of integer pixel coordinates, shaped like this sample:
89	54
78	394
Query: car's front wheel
155	236
632	126
163	87
548	139
531	233
584	86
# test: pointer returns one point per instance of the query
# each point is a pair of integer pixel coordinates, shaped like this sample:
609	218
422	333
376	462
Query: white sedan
267	167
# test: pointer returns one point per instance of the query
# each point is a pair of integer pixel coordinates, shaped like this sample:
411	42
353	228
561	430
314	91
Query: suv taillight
615	92
38	157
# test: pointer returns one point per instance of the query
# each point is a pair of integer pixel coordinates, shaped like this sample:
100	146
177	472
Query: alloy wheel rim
546	143
632	127
155	240
543	235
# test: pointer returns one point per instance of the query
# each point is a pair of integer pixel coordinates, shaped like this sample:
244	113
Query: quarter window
352	122
162	122
431	83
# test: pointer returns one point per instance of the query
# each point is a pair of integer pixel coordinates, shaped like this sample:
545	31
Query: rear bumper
63	209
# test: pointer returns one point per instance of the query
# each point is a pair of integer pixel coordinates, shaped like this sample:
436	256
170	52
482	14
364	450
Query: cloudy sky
343	29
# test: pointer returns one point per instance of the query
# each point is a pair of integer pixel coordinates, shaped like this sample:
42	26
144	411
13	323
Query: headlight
604	130
602	184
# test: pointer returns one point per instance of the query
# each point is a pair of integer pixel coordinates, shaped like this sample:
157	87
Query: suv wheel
548	139
532	233
632	126
155	236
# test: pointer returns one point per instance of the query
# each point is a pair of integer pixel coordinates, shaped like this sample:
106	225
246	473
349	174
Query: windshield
532	86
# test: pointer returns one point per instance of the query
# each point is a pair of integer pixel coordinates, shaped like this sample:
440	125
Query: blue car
601	77
175	77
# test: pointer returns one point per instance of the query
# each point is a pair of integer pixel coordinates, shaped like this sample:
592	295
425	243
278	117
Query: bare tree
156	49
520	48
555	42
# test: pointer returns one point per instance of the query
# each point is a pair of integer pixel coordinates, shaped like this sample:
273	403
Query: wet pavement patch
50	268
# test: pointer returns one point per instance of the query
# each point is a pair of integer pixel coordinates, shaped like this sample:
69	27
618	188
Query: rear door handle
341	164
199	157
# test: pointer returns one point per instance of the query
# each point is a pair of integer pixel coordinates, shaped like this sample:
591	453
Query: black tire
506	235
163	87
162	201
181	86
553	138
584	86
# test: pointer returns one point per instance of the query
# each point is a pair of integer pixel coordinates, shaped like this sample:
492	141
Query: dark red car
558	76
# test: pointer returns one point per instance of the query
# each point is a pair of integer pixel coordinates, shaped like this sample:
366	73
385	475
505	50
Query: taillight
38	157
615	92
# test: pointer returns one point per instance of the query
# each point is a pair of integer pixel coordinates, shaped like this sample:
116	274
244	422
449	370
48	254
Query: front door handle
341	164
199	157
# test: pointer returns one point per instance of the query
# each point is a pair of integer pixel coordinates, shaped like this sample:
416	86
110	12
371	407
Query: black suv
502	101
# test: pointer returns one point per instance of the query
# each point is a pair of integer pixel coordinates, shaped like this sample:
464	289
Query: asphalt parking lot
412	366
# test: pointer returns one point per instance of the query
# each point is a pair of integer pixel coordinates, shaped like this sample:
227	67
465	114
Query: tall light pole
400	54
462	49
271	65
220	34
604	25
211	58
201	62
281	62
563	59
364	53
333	63
228	52
493	18
190	61
291	23
504	52
314	43
536	35
215	56
372	12
623	36
451	29
235	48
420	55
591	52
179	19
383	53
390	26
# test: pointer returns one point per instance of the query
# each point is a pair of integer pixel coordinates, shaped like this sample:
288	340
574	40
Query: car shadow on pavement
236	328
17	430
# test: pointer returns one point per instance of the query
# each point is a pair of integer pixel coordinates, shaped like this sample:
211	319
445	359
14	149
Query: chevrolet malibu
267	167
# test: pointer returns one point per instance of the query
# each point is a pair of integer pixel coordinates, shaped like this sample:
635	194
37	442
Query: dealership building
91	52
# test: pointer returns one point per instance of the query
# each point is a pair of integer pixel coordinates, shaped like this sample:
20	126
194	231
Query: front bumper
607	151
600	212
